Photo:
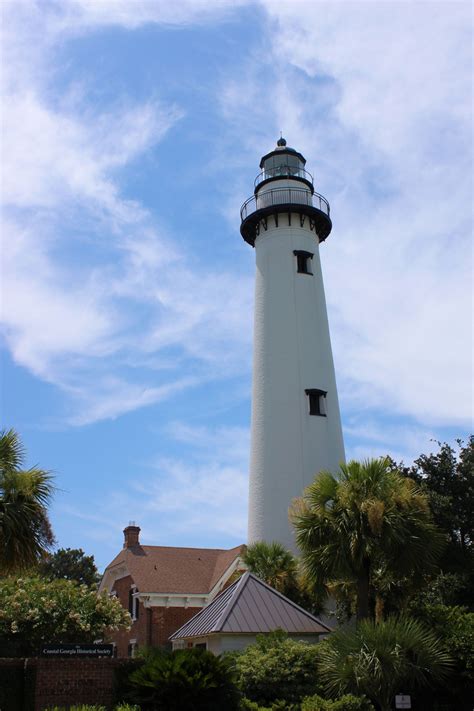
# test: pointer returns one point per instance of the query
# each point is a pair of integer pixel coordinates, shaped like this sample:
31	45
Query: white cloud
90	14
50	156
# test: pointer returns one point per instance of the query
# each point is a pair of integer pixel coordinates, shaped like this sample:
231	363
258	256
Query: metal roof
250	606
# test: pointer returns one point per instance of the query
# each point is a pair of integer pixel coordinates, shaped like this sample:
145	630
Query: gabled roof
164	569
250	606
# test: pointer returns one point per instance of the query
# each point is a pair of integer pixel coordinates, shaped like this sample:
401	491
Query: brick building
163	587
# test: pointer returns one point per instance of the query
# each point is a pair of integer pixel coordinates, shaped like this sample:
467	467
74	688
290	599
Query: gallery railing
283	196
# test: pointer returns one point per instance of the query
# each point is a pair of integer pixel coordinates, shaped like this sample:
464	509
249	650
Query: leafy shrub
77	707
34	611
344	703
247	705
191	679
277	668
86	707
379	659
455	627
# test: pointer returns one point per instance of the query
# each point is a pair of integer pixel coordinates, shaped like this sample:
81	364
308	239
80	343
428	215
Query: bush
34	611
247	705
191	679
86	707
455	627
77	707
277	668
344	703
379	659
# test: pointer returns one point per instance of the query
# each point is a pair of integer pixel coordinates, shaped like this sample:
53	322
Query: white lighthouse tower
296	425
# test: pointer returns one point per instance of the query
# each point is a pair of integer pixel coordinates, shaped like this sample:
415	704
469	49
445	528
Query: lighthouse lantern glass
284	164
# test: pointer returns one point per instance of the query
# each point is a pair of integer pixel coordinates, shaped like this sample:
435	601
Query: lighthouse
296	425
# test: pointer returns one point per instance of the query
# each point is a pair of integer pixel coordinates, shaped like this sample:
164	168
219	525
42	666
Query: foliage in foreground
191	679
348	702
455	626
35	611
25	531
277	668
279	705
87	707
379	660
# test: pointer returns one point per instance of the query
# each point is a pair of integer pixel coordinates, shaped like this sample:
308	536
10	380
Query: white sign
402	701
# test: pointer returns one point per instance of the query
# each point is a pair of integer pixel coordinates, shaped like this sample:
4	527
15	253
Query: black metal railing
283	171
283	196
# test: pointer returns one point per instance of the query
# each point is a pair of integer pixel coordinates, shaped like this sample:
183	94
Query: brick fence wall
42	683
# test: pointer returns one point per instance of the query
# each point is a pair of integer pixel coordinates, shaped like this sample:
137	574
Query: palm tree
273	564
363	524
25	531
381	660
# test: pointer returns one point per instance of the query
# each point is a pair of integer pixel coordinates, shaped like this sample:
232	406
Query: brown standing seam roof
163	569
250	606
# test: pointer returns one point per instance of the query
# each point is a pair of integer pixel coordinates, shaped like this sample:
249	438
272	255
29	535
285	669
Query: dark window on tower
303	261
317	401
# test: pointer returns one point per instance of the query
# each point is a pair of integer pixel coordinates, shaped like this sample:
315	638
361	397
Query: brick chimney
131	535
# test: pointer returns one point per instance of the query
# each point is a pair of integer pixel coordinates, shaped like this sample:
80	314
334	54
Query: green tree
381	660
25	530
273	564
278	567
365	525
35	611
448	477
277	668
70	564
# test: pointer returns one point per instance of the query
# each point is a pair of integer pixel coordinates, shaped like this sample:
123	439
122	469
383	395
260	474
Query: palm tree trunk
363	581
379	608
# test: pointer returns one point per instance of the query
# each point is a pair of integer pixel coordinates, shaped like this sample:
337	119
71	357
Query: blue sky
132	134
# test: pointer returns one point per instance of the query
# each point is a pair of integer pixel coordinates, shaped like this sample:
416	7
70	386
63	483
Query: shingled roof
250	606
165	569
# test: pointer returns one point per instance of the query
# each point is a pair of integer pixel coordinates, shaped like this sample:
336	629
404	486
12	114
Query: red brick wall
166	620
139	630
60	682
154	625
63	682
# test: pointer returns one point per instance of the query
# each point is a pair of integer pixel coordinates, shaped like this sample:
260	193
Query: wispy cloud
208	485
71	321
200	493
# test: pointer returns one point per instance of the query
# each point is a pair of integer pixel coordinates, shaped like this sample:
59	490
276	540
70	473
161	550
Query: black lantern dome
293	192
